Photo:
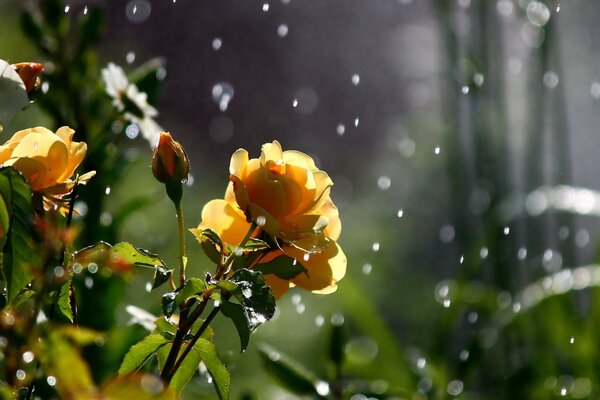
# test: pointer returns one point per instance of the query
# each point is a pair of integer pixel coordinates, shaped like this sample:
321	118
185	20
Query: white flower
134	104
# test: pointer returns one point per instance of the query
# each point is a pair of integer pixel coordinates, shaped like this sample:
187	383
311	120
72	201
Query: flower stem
182	256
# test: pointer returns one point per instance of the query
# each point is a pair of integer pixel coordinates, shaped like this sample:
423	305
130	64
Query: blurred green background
461	136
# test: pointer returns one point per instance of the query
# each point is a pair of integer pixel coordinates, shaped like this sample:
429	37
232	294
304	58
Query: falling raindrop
356	121
483	253
107	190
464	355
319	320
92	268
222	93
217	43
550	79
67	8
478	79
384	182
455	387
282	30
537	13
138	11
132	131
506	230
130	57
296	299
28	357
85	10
465	89
366	268
505	7
88	282
340	129
447	233
51	380
436	150
148	287
375	246
295	103
20	374
322	388
355	79
300	308
305	100
522	253
265	7
572	340
400	213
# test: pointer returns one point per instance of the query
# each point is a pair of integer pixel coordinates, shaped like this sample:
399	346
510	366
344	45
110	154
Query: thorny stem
186	320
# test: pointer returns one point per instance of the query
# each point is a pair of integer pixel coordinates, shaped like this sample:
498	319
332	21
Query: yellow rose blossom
47	160
287	196
283	192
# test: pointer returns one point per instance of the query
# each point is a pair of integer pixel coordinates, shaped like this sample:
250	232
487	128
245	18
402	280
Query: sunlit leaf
141	352
216	369
210	242
191	288
19	254
186	370
121	258
283	267
236	313
136	386
64	300
254	295
290	373
13	96
254	244
79	335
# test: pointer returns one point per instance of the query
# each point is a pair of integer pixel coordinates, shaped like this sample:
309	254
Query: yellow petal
32	170
271	152
66	135
238	162
240	192
300	159
266	221
334	225
77	153
263	191
325	269
227	221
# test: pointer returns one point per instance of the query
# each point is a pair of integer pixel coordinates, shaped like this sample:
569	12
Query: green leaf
18	253
141	352
254	244
254	295
64	300
216	369
283	267
169	304
228	286
121	258
13	96
290	373
186	370
191	288
165	327
236	313
210	242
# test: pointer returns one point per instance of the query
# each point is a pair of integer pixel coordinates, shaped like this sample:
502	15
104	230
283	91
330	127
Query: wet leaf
121	258
236	313
254	244
289	372
141	352
64	301
216	369
136	386
169	304
79	335
186	370
192	288
283	267
254	295
18	254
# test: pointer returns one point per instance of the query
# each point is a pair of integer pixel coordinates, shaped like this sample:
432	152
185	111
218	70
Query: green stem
192	342
182	256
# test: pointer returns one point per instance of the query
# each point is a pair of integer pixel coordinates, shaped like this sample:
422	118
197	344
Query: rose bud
30	74
169	163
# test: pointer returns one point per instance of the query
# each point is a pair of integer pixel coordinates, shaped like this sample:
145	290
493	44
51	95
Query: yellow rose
282	191
46	159
287	196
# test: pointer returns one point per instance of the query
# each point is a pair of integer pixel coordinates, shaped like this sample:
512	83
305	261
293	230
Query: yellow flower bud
169	163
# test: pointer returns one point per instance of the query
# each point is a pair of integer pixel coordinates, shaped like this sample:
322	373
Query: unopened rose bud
170	163
30	74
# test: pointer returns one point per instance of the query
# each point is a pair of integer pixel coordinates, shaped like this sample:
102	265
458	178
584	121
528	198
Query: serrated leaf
64	301
141	352
165	327
18	253
13	95
216	369
136	386
191	288
290	373
168	303
254	295
254	244
236	314
186	370
121	258
210	242
283	267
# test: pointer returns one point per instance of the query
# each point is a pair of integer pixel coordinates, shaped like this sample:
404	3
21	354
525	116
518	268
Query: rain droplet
130	57
295	103
400	213
222	93
282	30
522	253
138	11
148	287
132	131
28	357
77	268
455	387
67	8
464	355
464	89
20	374
296	299
88	282
478	79
322	388
93	268
505	7
337	320
421	363
265	7
550	79
447	233
462	259
436	150
483	253
572	340
51	380
537	13
59	271
340	129
217	43
384	182
506	230
356	121
558	8
355	79
85	10
300	308
366	268
375	246
319	320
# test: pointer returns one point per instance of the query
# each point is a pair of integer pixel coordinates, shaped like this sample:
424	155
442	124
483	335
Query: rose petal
238	162
271	152
227	221
325	269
